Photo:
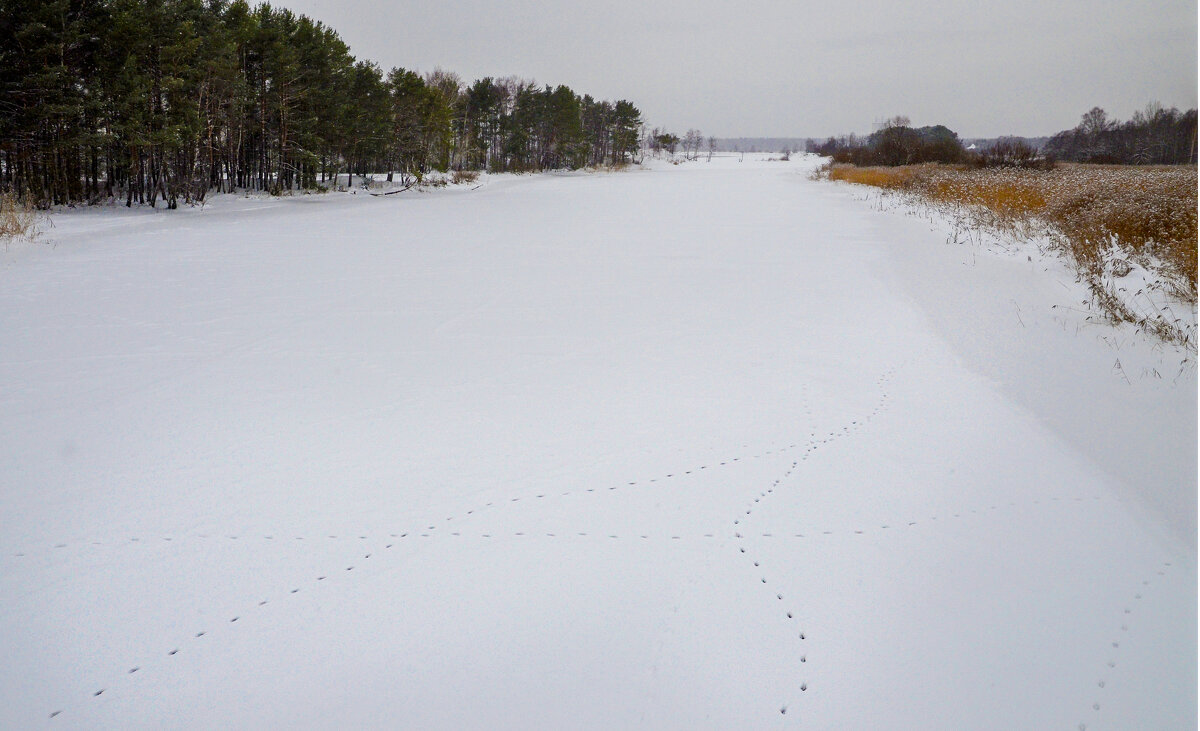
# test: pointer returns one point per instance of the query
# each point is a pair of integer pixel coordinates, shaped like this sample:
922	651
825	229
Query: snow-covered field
701	446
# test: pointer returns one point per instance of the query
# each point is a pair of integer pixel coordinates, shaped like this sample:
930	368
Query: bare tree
1093	124
654	140
1095	121
691	144
899	120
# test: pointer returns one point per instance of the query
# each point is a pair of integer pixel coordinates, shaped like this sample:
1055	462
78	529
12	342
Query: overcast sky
803	68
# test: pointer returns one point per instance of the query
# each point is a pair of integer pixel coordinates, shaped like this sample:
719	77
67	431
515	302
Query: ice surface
700	446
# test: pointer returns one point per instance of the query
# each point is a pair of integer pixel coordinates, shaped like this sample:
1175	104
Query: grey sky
768	67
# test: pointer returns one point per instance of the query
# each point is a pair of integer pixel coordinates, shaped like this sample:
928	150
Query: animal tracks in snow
758	502
200	636
146	541
808	448
430	530
788	603
1128	617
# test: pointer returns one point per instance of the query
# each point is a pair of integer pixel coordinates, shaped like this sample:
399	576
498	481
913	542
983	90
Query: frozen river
701	446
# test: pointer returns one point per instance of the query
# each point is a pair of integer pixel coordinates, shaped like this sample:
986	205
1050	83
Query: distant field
1105	218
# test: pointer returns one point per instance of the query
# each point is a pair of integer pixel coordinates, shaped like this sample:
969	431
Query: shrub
1012	153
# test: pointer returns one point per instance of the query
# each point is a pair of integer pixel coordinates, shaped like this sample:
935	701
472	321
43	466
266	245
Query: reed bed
18	219
1105	218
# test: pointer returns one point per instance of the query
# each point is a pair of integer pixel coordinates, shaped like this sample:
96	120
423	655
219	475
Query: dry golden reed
1148	212
18	220
1145	214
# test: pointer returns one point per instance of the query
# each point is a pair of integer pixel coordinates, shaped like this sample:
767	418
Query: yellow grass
879	177
1146	214
18	220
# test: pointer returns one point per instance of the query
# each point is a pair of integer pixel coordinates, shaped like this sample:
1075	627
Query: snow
683	447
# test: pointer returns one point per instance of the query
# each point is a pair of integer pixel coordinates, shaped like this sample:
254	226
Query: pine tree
169	99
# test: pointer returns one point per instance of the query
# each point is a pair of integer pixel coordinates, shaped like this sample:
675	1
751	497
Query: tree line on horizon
1154	136
168	100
